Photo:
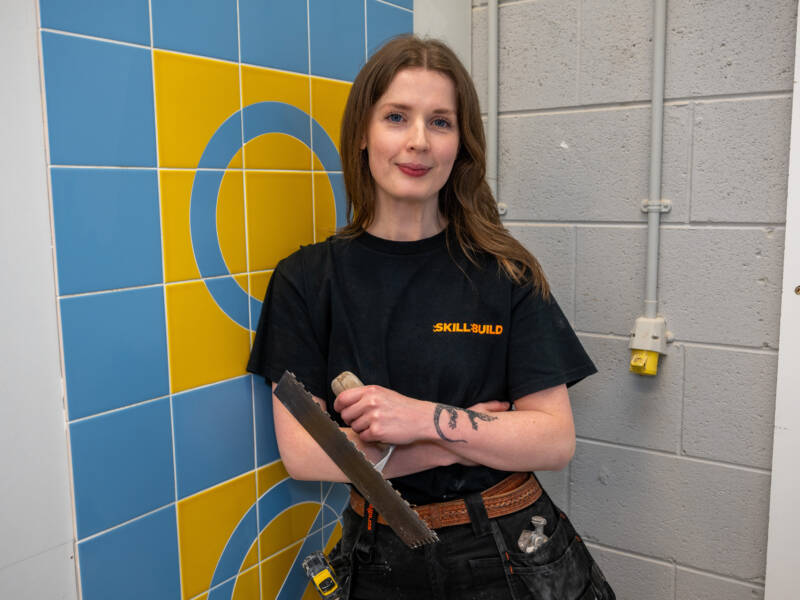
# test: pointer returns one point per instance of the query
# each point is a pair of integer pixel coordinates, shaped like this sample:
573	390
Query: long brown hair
466	200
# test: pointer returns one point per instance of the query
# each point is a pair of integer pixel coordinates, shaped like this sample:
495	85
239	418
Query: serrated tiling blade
405	522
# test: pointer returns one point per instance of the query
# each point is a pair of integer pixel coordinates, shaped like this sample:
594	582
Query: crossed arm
538	435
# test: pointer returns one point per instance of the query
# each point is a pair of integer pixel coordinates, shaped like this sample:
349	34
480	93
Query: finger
354	412
491	406
347	398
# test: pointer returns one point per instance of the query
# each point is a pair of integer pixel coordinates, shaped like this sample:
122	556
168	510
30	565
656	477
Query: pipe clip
662	207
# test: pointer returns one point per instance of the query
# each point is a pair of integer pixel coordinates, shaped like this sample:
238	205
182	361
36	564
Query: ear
363	145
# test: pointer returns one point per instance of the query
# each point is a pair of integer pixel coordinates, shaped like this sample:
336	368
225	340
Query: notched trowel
405	522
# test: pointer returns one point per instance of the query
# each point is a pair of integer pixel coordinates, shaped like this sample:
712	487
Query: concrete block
729	405
50	574
554	248
609	280
722	285
716	284
591	165
635	577
741	160
616	405
556	484
702	586
729	47
616	46
538	54
700	515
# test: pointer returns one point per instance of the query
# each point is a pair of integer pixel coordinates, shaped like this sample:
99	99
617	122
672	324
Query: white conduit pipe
654	206
491	109
650	336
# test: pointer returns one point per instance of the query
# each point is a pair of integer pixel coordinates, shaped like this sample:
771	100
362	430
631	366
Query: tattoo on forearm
452	421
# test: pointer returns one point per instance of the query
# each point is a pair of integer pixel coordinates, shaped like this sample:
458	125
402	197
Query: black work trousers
475	561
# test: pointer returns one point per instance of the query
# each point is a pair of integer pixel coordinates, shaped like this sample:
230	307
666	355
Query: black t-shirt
418	318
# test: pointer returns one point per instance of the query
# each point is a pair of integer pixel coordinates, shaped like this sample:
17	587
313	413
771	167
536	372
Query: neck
406	221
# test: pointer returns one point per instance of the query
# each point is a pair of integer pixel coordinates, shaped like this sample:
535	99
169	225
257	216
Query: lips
413	170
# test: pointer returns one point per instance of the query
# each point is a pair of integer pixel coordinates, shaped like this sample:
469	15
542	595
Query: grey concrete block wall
670	482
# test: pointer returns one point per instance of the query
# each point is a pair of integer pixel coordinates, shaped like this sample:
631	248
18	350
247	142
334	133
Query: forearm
304	459
522	440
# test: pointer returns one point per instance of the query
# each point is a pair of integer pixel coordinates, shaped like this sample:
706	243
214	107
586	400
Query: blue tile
274	34
122	466
204	27
266	444
115	349
337	38
136	561
213	434
99	102
122	20
108	229
384	22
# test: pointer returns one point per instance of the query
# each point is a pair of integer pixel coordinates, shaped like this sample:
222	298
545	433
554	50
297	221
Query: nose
418	136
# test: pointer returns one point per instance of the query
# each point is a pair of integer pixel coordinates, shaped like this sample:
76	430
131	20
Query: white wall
36	535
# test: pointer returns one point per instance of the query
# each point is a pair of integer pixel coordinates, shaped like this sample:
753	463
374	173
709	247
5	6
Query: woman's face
412	137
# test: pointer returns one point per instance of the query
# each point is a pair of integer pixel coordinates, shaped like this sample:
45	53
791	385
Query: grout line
684	457
644	104
129	522
214	58
690	166
188	169
670	563
687	343
164	296
678	226
366	34
168	283
387	3
578	53
118	409
95	38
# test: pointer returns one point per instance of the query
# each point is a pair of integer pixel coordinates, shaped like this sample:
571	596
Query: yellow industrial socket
644	362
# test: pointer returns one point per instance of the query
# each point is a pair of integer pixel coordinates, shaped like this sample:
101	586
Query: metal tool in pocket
530	541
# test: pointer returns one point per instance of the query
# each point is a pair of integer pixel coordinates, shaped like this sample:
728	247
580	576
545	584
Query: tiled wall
191	146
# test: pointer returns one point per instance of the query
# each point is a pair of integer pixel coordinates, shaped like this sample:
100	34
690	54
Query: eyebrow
436	111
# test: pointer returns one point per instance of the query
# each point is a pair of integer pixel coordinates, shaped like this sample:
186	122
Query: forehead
421	87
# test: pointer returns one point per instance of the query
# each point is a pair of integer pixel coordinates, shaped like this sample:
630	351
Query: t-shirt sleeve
285	338
544	350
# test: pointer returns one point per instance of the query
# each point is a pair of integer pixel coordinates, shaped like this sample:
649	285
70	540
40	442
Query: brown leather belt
515	492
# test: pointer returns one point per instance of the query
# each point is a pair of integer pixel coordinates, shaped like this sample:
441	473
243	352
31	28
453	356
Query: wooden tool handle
345	381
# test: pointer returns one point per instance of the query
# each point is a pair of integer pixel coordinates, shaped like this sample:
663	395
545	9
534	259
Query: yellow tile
206	522
230	221
216	349
258	284
277	151
288	527
176	196
279	216
328	99
335	537
246	586
194	96
275	569
310	593
324	208
252	556
270	475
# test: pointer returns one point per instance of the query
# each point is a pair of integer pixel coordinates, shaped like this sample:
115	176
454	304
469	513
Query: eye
394	118
441	123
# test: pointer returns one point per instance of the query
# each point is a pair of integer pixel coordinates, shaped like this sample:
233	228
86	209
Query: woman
430	301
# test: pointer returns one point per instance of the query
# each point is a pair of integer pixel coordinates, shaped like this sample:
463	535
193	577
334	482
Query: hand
378	414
